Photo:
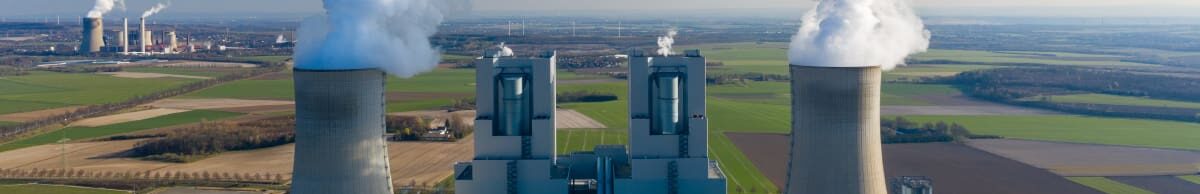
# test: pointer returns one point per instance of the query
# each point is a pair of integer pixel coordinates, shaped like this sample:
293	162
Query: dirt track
28	116
1070	159
126	117
954	168
139	75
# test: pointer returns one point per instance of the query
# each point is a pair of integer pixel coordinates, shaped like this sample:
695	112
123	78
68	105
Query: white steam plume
157	8
392	35
859	33
104	6
666	42
504	51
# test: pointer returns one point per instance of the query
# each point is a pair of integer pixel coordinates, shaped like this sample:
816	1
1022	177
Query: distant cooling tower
836	144
339	132
93	35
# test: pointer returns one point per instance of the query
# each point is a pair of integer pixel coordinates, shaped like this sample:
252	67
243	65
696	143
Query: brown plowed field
28	116
954	168
420	162
1073	159
1160	184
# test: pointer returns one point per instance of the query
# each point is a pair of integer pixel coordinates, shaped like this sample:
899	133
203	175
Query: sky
1066	8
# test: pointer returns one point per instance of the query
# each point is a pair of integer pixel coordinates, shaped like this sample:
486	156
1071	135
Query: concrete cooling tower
93	35
836	146
339	132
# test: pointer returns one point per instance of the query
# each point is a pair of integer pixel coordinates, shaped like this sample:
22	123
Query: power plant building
340	146
835	140
515	130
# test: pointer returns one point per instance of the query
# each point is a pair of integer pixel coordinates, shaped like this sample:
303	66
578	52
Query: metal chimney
836	146
339	132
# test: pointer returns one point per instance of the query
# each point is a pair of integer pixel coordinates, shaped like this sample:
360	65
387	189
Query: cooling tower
339	132
93	35
172	42
836	145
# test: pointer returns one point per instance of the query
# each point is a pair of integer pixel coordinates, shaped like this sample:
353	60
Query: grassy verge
1108	186
1119	100
80	133
55	189
1191	178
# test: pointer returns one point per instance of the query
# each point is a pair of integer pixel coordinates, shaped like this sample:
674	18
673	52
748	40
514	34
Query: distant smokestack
339	132
125	36
93	35
836	145
143	35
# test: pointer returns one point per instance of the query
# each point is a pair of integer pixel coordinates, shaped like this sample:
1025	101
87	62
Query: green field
1191	178
1108	185
1118	100
53	189
249	89
44	90
266	58
1081	129
772	56
779	93
82	133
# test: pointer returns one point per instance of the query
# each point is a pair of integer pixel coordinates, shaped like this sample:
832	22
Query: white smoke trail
859	33
392	35
504	51
666	42
104	6
157	8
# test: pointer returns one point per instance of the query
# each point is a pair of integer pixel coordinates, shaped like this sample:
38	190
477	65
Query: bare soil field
126	117
202	190
139	75
1072	159
571	119
28	116
199	104
420	162
954	168
1160	184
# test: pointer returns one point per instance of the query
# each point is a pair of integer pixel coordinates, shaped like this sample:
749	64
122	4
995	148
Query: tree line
192	143
902	130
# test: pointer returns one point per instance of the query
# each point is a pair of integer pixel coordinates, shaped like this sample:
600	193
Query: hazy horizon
766	8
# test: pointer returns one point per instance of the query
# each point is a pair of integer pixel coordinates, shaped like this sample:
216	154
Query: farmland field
81	133
1120	100
45	90
1191	178
1081	129
966	56
55	189
203	72
1108	185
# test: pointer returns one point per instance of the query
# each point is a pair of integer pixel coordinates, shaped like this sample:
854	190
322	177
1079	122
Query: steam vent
514	146
836	146
339	132
93	35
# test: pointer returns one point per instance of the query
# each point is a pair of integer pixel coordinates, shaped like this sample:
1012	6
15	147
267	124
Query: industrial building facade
515	133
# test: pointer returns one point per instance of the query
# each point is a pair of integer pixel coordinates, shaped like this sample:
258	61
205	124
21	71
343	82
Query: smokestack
836	146
143	35
172	42
93	35
339	132
125	36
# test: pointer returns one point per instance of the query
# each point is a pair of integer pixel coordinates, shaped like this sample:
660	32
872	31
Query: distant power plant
836	145
93	35
339	132
515	132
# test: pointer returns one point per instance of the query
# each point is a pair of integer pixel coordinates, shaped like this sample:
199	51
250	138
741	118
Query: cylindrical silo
93	35
339	132
836	145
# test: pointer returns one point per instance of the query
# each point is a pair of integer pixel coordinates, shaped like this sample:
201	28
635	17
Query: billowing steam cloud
504	51
666	42
859	33
157	8
392	35
104	6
